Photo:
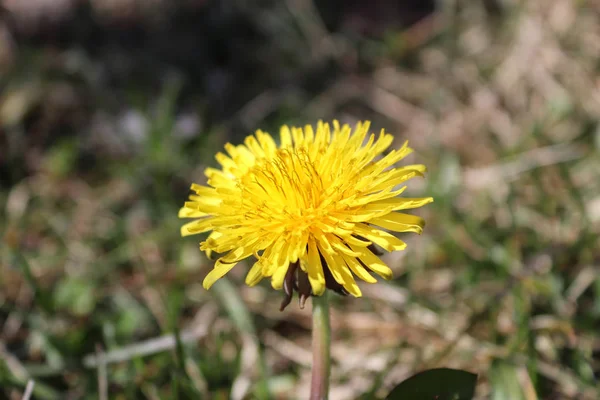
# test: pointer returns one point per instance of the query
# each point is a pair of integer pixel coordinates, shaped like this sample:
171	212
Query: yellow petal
358	269
351	240
309	135
266	142
285	136
217	273
279	276
340	272
360	132
225	161
254	146
185	212
196	227
297	245
238	254
244	157
203	190
270	258
392	157
207	205
401	203
377	236
218	179
255	274
298	136
375	198
314	269
400	222
374	263
342	248
383	142
396	177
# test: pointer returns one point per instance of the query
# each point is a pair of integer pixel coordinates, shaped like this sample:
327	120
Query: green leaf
505	382
436	384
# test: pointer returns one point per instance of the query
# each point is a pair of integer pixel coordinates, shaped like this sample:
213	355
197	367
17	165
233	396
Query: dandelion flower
309	210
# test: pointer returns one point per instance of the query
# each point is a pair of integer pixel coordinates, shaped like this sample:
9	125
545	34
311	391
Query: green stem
321	337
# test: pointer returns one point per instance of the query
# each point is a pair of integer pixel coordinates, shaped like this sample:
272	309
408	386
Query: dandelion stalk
321	338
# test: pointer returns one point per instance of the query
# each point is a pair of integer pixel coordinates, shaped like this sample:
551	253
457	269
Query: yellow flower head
309	210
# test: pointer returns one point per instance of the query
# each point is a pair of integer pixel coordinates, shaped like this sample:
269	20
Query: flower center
288	190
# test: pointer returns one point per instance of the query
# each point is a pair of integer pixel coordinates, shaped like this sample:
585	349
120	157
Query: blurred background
109	109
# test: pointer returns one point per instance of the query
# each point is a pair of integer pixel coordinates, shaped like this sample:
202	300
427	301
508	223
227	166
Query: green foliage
436	384
505	380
